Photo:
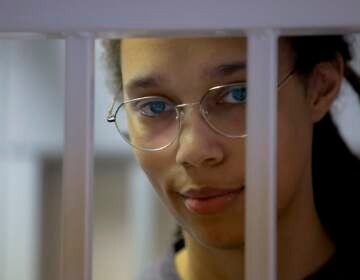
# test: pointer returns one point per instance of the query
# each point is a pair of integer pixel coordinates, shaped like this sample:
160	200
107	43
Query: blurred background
131	227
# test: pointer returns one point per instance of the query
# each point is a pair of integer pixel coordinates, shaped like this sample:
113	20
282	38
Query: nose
198	143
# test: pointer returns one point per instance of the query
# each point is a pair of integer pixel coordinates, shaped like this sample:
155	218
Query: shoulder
340	267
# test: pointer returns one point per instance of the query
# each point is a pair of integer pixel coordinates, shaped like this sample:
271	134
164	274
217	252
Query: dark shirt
334	269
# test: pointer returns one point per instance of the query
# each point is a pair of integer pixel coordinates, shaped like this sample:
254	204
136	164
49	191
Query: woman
194	154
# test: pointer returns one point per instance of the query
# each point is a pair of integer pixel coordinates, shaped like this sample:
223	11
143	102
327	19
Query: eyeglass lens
152	123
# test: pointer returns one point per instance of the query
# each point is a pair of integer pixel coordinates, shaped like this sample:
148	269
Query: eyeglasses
153	123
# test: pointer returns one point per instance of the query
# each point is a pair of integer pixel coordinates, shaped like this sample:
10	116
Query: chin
219	238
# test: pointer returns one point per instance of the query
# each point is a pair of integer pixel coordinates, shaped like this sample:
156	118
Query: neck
303	247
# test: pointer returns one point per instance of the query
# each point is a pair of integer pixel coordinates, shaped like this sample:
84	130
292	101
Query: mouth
210	200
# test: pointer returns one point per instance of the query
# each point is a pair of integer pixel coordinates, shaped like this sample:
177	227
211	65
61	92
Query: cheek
157	166
152	166
294	156
160	169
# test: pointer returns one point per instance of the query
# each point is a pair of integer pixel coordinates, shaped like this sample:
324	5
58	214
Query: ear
323	86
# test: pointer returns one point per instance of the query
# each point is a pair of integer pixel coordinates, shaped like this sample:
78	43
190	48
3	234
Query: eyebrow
144	82
225	70
217	72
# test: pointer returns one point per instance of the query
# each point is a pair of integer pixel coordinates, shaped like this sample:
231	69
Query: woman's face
183	70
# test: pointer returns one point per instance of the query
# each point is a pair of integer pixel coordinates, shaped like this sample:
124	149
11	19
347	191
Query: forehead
185	59
182	47
178	53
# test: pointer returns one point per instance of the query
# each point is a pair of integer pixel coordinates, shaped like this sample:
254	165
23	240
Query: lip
210	200
208	192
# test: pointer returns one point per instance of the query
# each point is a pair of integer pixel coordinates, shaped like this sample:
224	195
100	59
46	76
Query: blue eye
153	107
157	107
235	94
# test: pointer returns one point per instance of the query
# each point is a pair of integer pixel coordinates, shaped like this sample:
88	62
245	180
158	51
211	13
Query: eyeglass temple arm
111	116
283	82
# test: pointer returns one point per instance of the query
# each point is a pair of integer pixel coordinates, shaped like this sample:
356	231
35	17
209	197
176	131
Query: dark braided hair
335	170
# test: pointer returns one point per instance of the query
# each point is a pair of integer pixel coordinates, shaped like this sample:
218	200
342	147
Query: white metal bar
134	16
23	36
260	231
5	54
78	160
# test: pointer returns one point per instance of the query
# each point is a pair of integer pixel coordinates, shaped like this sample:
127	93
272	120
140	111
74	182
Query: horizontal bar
135	17
78	160
24	36
260	200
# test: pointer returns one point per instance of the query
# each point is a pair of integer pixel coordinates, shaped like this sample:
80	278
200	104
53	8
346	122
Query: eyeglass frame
179	108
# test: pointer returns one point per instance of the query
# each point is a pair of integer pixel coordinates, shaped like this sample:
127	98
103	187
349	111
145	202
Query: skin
202	157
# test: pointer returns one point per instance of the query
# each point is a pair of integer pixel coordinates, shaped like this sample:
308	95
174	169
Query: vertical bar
260	231
5	56
78	160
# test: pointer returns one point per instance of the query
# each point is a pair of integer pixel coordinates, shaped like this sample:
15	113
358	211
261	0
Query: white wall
31	130
31	127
